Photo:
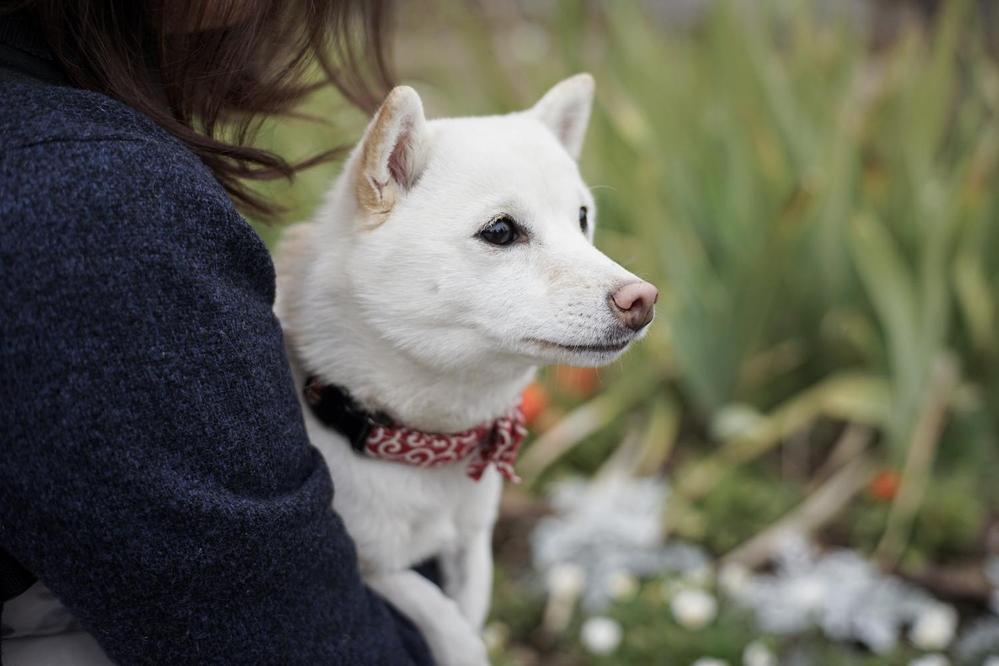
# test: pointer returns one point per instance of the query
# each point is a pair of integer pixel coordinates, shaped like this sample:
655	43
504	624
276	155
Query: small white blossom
934	627
693	609
930	660
838	591
495	635
710	661
610	525
735	420
566	580
758	654
565	583
734	578
601	635
807	592
622	586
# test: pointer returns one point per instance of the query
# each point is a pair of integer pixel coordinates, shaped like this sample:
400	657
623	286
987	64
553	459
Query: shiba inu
450	260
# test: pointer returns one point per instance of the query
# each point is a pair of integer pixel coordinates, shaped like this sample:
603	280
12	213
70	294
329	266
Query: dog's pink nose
634	304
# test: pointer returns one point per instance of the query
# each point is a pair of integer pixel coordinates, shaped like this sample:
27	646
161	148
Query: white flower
934	627
693	609
991	661
565	583
710	661
601	635
758	654
930	660
566	580
807	592
495	635
734	578
622	586
612	524
734	420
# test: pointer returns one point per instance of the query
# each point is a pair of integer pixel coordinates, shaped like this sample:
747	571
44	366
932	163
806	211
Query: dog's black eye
584	223
501	231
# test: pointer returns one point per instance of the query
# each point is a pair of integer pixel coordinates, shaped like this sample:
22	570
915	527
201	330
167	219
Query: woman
154	471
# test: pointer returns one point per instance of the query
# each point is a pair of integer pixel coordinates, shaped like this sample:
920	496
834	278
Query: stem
818	509
918	463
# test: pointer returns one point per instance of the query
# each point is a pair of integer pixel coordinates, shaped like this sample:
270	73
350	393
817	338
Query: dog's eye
584	223
501	231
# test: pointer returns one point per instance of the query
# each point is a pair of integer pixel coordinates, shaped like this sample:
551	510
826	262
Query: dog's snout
634	304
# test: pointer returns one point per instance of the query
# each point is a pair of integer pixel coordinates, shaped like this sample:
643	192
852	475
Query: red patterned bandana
495	443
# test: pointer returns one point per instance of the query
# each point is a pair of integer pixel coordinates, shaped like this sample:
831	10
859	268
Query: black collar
334	407
24	54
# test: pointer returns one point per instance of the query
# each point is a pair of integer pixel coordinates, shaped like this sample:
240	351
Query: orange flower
577	382
534	401
884	485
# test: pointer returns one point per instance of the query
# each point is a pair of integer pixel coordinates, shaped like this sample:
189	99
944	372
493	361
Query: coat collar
24	53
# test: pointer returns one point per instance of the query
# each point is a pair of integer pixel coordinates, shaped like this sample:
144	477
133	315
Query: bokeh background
799	465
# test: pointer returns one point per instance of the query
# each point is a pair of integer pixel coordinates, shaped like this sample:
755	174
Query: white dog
450	260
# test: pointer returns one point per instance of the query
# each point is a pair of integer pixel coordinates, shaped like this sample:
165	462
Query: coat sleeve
154	467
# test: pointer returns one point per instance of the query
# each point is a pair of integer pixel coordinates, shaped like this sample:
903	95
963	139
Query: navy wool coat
154	468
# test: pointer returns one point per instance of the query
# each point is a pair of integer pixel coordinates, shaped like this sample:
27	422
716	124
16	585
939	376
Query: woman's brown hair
208	71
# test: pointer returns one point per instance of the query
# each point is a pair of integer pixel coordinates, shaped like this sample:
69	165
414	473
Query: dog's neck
383	379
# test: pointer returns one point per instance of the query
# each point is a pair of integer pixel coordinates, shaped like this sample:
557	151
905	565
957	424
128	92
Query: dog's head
466	240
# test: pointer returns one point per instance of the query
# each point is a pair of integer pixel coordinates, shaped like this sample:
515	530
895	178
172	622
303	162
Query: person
155	474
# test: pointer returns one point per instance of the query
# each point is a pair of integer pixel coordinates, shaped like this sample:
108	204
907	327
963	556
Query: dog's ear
565	109
393	151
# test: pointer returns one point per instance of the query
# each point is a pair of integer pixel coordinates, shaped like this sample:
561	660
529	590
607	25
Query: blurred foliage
745	501
724	638
949	527
812	208
819	216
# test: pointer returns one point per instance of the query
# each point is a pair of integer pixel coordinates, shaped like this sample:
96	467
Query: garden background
799	464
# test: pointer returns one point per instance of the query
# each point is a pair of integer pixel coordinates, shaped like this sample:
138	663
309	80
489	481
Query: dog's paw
458	648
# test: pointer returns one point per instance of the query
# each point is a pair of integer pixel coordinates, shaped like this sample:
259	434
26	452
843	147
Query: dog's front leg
468	577
452	639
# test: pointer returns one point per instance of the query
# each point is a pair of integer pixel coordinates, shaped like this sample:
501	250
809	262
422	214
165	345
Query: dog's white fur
390	293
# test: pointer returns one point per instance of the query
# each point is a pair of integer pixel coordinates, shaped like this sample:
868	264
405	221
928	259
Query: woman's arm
154	468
